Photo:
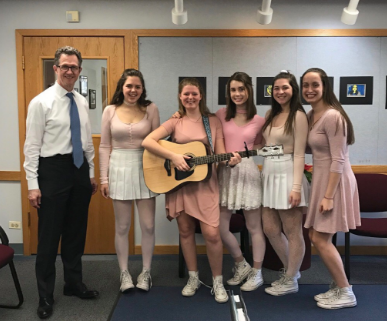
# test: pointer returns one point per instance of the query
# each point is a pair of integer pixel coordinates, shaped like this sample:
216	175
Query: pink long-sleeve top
294	143
235	136
116	134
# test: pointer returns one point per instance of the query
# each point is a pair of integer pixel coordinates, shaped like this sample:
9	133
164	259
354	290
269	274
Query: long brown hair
295	104
202	104
330	99
251	110
118	97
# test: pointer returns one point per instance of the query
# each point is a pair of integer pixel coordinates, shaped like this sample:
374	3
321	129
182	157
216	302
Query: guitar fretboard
220	157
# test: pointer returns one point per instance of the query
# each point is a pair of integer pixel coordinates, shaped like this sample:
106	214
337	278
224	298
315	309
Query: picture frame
83	87
92	99
202	81
303	101
263	94
222	91
356	90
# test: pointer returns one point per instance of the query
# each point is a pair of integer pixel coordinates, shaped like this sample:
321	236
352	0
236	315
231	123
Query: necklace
314	122
194	121
241	111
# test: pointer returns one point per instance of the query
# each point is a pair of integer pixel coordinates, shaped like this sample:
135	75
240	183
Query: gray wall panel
382	111
349	56
163	59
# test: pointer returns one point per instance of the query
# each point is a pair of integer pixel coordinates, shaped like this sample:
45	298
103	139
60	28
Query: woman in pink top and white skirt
285	188
240	187
125	123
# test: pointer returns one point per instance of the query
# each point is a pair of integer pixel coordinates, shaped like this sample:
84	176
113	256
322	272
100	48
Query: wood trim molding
376	169
9	176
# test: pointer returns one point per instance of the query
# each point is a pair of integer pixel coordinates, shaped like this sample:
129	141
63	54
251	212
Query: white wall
141	14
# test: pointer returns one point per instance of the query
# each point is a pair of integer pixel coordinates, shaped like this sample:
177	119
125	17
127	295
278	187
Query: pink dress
198	199
328	142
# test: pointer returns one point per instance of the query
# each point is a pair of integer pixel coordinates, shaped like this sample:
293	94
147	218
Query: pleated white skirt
277	183
126	176
240	187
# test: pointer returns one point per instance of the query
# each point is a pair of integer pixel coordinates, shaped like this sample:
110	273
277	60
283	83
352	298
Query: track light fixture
350	13
265	15
179	15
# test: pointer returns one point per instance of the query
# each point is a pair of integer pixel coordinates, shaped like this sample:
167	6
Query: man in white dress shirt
59	165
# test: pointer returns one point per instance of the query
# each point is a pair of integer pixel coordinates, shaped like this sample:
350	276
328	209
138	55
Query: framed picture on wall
202	81
264	90
356	90
331	81
83	85
222	83
92	99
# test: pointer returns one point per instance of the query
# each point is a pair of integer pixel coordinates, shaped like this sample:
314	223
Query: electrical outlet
15	225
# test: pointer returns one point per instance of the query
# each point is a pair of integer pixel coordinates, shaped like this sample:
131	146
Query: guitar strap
206	123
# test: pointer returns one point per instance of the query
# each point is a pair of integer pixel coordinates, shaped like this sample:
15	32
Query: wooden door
100	233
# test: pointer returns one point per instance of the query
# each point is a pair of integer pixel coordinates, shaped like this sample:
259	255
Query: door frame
131	55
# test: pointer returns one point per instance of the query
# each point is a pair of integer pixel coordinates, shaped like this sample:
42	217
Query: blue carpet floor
167	303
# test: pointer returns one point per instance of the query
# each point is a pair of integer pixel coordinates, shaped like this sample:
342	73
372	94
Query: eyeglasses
66	68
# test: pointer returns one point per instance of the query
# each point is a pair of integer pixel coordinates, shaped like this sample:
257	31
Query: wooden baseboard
201	249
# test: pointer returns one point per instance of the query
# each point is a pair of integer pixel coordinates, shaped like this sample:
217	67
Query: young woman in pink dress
125	123
334	201
240	187
196	200
285	188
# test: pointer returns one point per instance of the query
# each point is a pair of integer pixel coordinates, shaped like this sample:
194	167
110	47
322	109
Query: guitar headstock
272	150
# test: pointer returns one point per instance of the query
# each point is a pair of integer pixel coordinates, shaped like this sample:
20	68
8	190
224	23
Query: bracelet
328	198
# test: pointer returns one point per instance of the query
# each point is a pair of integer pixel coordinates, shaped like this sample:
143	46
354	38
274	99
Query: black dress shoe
45	308
80	290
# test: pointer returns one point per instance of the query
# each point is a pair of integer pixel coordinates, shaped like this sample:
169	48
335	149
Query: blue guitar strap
206	123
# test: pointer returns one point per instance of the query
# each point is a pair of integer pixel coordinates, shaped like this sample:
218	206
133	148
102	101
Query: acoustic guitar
162	177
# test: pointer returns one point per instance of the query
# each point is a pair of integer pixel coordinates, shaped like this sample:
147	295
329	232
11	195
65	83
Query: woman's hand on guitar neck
179	161
236	159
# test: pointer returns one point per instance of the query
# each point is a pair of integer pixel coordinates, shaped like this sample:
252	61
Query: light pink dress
198	199
328	142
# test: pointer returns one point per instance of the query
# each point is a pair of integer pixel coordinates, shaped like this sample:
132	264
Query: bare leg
123	216
292	226
186	226
272	227
146	213
330	256
228	238
254	225
214	247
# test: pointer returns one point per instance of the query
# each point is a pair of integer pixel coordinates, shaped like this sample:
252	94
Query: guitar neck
222	157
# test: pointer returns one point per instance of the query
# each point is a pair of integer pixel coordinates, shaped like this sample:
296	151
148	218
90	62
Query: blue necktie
75	128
